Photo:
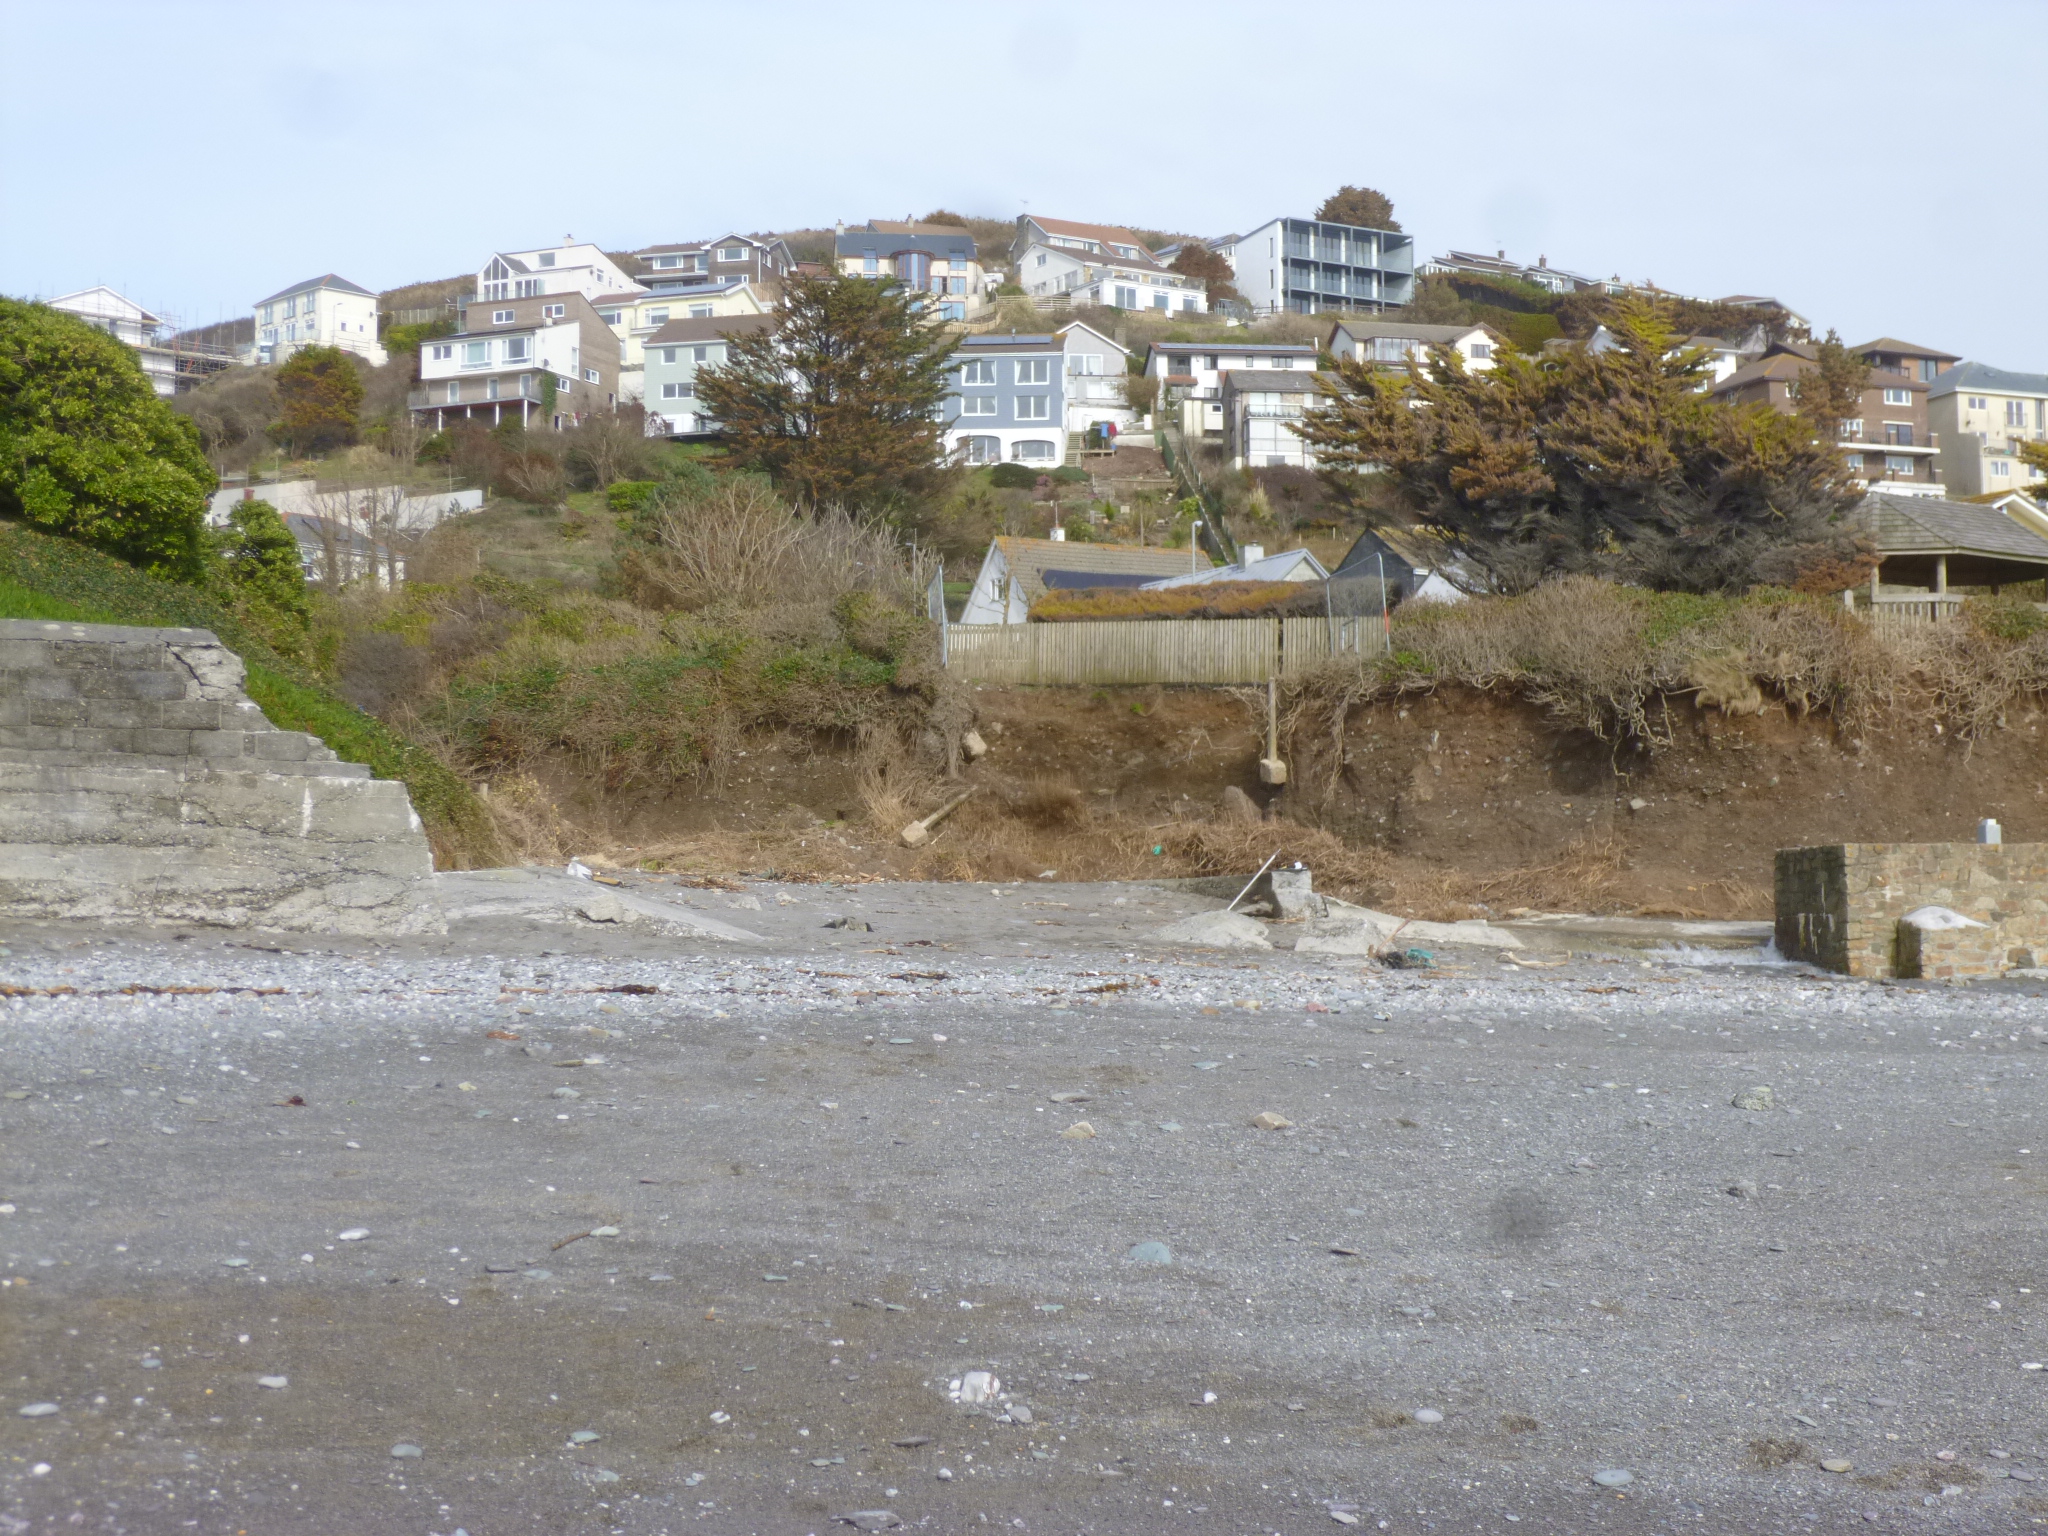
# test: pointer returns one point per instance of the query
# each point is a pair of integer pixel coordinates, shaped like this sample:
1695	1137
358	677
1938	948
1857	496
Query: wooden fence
1107	652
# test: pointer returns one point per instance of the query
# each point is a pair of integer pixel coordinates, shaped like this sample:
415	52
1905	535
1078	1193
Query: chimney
568	240
1543	261
1059	535
1254	553
1501	255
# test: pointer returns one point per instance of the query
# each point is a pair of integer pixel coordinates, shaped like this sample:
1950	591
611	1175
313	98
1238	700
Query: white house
1095	367
391	506
131	325
1099	264
1015	573
1402	343
326	311
1194	370
560	269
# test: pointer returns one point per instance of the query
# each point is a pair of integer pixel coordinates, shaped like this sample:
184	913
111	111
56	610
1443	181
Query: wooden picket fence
1107	652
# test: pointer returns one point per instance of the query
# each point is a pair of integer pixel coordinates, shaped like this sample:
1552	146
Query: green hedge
51	578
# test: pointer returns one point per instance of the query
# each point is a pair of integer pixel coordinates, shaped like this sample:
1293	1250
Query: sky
1876	166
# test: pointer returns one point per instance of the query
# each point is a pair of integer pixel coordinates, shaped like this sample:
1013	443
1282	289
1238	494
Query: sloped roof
708	328
1967	376
1930	525
1105	235
1270	381
1407	330
1028	561
1288	565
104	301
1217	347
1907	348
327	280
1421	549
899	227
1782	365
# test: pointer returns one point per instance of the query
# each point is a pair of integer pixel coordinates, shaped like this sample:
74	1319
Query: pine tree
1831	391
318	395
839	400
1613	463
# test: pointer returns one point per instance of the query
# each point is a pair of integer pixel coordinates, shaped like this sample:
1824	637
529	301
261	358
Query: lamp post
1194	544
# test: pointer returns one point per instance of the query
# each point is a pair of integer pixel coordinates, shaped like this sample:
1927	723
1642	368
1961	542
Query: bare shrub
1050	803
738	545
535	476
529	823
1975	676
609	447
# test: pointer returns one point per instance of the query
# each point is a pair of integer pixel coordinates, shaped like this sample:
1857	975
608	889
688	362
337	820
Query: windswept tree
88	451
839	400
1362	206
319	397
1613	463
1216	275
1831	391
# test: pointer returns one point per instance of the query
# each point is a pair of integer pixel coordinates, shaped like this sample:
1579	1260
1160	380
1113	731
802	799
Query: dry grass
1210	600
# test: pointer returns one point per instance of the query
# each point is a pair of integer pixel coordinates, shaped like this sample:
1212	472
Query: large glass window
979	370
1034	407
1034	370
476	354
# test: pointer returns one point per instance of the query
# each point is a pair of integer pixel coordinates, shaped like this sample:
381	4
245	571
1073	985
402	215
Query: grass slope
49	578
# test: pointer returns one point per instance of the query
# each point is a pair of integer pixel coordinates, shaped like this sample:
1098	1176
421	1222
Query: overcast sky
1874	165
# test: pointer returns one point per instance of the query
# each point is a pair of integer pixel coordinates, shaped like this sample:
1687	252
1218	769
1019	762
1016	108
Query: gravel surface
585	1228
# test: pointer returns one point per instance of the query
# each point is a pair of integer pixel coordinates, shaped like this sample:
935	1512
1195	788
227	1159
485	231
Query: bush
89	452
2005	618
1013	477
319	396
259	570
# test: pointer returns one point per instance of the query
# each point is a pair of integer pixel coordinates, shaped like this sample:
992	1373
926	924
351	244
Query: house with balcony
1890	445
935	259
1306	267
1982	414
1401	344
546	362
761	260
636	316
1261	409
325	311
1058	261
674	356
1194	371
1095	367
550	272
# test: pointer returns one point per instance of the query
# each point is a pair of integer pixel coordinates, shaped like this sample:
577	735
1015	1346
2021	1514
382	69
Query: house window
1283	362
1998	468
1085	364
547	258
1899	433
952	311
668	354
1034	370
529	288
1481	350
1853	460
732	253
2015	412
476	354
442	354
1034	407
268	319
553	311
1852	429
590	376
1032	449
1929	368
490	389
1898	397
1126	298
699	354
502	317
1162	301
515	348
666	261
700	311
870	264
678	391
979	371
977	405
1041	258
291	307
956	285
611	318
565	383
1978	403
655	317
454	391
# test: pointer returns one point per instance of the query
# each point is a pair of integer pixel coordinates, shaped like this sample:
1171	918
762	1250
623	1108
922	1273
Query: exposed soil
1449	802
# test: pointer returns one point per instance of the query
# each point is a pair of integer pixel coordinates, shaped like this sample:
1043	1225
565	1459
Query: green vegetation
1612	464
1359	206
319	396
88	451
49	578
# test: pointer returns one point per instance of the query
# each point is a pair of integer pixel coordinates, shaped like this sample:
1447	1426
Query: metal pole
1386	619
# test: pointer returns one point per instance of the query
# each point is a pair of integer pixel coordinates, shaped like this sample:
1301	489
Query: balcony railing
510	392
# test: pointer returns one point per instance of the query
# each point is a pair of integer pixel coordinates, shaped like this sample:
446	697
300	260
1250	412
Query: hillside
48	578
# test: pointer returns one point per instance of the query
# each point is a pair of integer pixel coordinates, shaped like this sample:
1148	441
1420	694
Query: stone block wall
138	781
1840	905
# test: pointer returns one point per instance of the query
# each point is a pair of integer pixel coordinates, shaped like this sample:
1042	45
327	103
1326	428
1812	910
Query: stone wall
138	781
1840	906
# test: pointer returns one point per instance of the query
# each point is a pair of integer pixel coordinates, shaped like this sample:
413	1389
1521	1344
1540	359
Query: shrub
629	495
319	394
260	571
88	451
1013	477
2005	618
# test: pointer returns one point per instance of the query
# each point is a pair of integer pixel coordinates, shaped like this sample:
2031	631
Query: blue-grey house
1008	400
674	354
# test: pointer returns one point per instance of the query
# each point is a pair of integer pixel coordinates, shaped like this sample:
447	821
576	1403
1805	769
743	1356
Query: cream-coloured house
636	316
326	311
1979	415
935	259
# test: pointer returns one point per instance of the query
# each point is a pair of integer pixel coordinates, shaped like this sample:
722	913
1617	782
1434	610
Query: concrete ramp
138	781
549	895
